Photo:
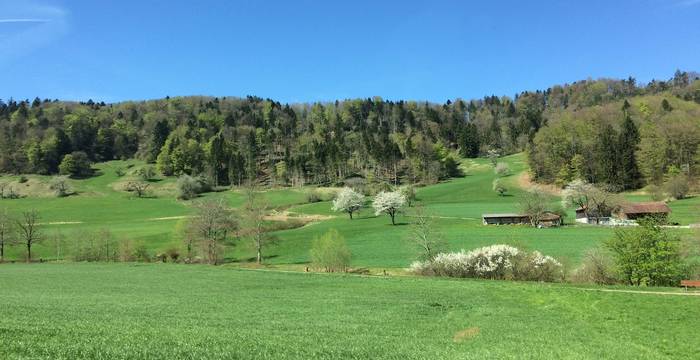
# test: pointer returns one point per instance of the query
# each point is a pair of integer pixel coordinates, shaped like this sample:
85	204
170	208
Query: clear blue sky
296	51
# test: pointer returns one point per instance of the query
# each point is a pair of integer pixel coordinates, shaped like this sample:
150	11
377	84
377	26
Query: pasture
166	311
456	204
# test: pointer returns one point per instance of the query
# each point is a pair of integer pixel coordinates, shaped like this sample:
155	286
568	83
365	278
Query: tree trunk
29	252
259	255
350	212
392	218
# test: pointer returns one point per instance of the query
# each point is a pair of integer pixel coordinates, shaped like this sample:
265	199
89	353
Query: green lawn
159	311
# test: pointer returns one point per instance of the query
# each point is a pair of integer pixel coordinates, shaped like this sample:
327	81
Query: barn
635	211
505	219
547	220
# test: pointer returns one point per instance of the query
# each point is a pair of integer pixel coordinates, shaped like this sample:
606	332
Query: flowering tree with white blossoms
348	200
389	203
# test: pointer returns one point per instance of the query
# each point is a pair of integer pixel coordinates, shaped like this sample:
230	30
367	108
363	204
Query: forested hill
597	129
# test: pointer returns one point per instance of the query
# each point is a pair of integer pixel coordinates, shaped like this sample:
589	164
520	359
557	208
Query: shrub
330	253
409	192
147	172
499	188
173	254
60	186
141	253
646	255
596	267
313	196
677	186
22	179
120	171
501	169
450	167
656	192
189	187
492	262
94	246
76	165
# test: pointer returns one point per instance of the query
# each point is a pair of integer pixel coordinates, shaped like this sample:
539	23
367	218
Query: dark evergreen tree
629	175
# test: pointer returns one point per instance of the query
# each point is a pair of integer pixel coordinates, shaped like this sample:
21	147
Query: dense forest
612	131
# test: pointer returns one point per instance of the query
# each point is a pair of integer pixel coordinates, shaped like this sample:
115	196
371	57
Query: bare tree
424	235
255	209
595	201
6	235
139	188
534	204
210	228
28	230
60	185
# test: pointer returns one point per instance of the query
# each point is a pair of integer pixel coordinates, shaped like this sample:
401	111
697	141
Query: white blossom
389	203
348	200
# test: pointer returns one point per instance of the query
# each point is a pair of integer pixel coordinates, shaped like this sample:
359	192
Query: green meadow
167	311
457	204
64	310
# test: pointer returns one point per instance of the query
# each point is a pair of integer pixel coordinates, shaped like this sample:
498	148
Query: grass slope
459	203
123	311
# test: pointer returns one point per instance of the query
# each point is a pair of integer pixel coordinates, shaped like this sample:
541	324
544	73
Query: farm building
634	211
625	213
593	217
505	219
547	220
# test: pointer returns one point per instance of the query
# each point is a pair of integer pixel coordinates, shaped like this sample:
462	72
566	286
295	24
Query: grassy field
162	311
458	204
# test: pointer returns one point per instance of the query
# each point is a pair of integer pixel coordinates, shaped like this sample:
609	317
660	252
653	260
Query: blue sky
296	51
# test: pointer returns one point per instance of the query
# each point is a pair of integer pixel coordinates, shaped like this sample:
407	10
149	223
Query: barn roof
502	215
652	207
550	217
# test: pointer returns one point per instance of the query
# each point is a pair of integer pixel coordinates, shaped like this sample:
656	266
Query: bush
189	187
120	172
499	187
677	186
492	262
450	167
173	254
501	169
597	268
76	165
94	246
60	186
647	255
330	253
22	179
147	172
656	192
409	192
313	196
141	253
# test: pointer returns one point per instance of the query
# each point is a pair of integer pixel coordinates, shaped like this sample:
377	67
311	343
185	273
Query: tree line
239	140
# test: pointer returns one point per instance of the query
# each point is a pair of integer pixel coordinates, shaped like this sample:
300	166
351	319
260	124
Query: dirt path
525	182
643	292
446	217
286	215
